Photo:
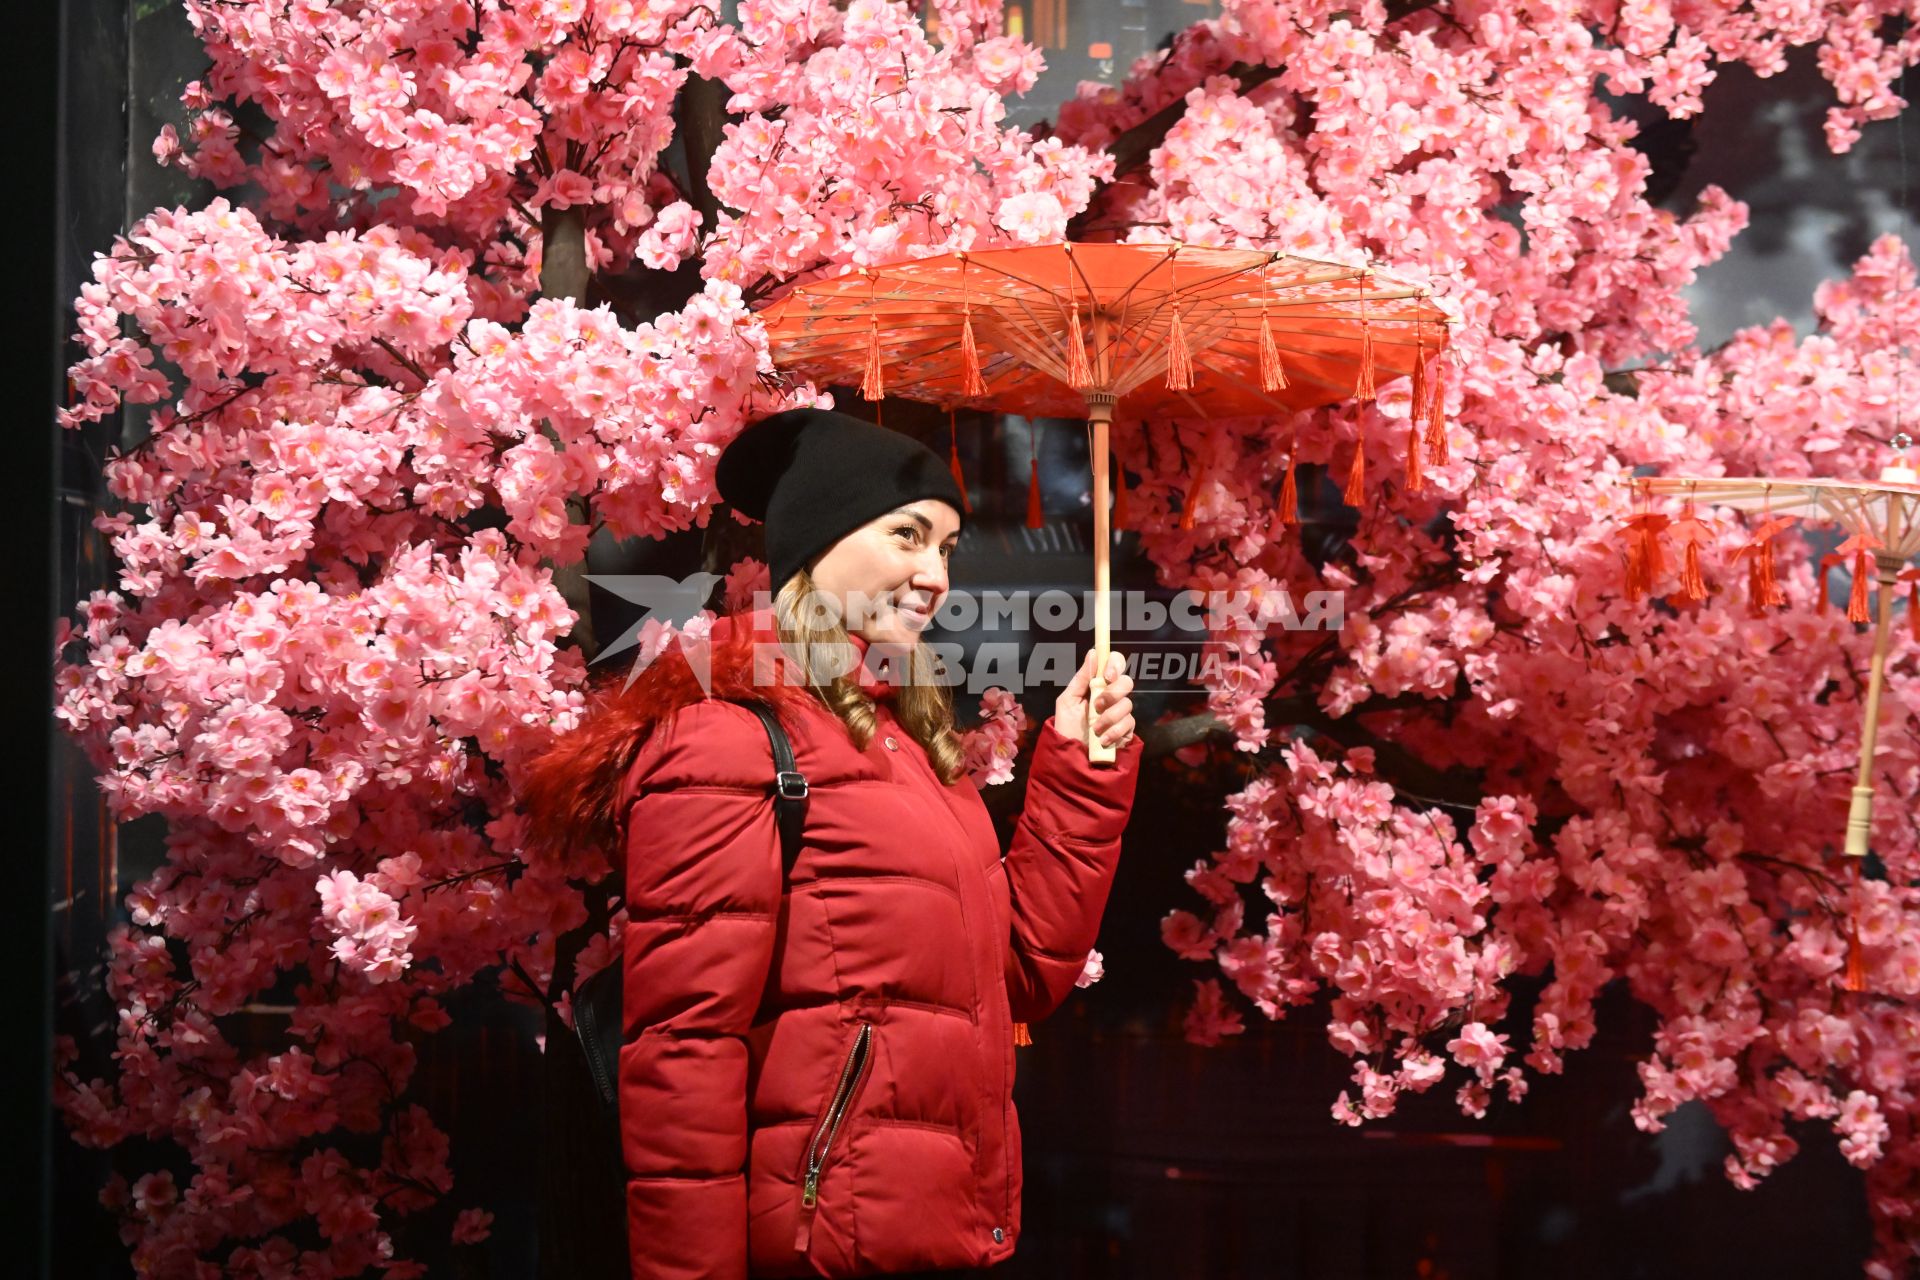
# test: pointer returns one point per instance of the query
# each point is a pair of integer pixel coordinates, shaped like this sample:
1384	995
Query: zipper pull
803	1232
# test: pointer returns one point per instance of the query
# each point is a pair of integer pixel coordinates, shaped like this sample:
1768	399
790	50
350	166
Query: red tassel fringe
1079	368
1416	479
1363	385
1826	563
959	478
1272	376
1693	583
871	387
1356	491
1036	515
1857	598
971	382
1436	411
1179	359
1763	587
1855	978
1290	488
1645	564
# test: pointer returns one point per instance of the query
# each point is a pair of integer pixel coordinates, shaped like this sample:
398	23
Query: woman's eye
908	532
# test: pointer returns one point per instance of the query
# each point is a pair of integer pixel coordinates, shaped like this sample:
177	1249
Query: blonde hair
816	639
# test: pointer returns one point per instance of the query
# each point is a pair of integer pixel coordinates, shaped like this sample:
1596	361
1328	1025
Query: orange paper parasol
1883	519
1120	332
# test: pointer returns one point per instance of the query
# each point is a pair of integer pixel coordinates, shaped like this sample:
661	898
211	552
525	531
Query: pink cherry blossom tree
456	317
1506	764
460	311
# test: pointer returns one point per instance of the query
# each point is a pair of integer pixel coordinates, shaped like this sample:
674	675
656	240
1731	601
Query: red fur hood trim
570	791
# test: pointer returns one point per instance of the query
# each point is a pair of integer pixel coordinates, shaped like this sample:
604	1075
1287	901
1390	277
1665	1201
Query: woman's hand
1112	719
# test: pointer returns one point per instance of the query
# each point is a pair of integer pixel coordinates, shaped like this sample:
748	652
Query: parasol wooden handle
1860	811
1099	413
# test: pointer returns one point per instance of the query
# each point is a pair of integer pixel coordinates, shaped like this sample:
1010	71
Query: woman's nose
930	574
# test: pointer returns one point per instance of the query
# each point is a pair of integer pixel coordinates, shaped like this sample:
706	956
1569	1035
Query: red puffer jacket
817	1073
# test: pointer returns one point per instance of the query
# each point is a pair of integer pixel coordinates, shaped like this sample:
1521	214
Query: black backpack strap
789	785
596	1004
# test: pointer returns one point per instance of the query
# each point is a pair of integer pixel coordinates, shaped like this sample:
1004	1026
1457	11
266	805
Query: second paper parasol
1882	519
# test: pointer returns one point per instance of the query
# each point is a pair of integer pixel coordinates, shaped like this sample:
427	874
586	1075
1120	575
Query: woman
818	1066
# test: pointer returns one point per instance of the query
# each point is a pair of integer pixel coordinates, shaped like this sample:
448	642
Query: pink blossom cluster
476	116
861	140
993	744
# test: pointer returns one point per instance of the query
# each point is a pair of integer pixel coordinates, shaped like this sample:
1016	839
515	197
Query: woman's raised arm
1060	866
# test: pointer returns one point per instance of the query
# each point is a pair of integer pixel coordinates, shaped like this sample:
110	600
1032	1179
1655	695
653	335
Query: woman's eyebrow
924	522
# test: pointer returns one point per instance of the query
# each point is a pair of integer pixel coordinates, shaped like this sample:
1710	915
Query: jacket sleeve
703	882
1060	866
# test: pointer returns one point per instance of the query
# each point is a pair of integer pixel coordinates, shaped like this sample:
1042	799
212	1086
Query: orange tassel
953	464
1693	584
1763	586
1912	578
1036	515
1272	376
1644	561
1119	495
1186	507
1416	479
1356	491
1418	407
1179	359
971	383
1857	598
1021	1036
1079	368
1855	978
1289	487
1826	563
1436	411
1767	593
870	384
1363	385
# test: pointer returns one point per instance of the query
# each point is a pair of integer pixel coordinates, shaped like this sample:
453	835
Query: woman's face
889	576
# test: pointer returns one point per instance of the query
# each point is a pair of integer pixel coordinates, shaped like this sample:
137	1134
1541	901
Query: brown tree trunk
582	1187
563	274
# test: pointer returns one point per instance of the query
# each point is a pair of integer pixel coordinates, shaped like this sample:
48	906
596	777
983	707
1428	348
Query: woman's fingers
1082	679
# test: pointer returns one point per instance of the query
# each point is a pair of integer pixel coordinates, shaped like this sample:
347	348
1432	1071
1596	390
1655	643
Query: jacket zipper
829	1126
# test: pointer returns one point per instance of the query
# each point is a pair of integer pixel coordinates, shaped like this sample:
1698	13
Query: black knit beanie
814	475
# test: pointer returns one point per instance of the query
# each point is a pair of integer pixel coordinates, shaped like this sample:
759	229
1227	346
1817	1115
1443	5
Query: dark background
1146	1157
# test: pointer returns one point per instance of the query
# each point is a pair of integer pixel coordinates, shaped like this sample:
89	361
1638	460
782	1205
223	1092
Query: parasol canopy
1167	330
1123	332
